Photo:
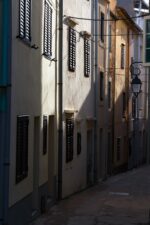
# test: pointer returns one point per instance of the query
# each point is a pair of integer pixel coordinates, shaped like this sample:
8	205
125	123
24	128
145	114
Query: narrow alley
121	200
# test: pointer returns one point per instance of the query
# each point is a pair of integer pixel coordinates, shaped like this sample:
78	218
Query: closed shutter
102	27
122	56
78	143
22	148
72	49
69	139
22	19
48	30
25	20
44	135
86	58
28	20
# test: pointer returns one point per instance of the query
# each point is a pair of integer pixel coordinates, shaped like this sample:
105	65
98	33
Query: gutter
5	101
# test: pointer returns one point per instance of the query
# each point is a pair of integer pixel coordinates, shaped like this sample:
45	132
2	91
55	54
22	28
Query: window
147	41
22	148
109	94
133	107
118	148
78	143
102	27
47	30
101	86
44	135
25	20
72	49
122	56
123	104
110	36
69	139
86	57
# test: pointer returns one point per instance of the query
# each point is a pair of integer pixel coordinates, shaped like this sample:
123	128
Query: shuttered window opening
44	135
86	57
48	30
69	139
22	148
118	149
25	20
122	56
72	49
78	143
102	27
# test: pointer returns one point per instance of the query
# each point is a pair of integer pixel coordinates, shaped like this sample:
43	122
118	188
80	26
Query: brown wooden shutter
86	58
72	49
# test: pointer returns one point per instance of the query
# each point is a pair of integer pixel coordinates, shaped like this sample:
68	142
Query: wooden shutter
48	30
72	49
22	148
102	27
109	94
86	58
22	19
122	55
69	139
25	20
28	20
44	135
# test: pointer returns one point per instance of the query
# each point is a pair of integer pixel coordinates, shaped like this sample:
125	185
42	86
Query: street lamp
136	86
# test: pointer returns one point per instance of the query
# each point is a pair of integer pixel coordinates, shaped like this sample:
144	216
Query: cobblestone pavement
121	200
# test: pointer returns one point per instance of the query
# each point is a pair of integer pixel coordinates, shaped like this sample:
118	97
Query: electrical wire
119	18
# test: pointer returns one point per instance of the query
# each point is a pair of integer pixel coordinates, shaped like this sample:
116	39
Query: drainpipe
95	74
60	100
5	98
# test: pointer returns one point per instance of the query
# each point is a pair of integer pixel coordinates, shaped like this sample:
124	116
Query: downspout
56	91
95	25
60	100
5	100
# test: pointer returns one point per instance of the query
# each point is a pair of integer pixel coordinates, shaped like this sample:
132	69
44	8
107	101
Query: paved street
121	200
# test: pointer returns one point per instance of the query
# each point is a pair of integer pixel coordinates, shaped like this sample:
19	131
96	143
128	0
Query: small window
69	139
22	148
25	20
78	143
44	135
72	49
101	86
102	27
123	104
122	56
86	57
47	30
118	148
109	95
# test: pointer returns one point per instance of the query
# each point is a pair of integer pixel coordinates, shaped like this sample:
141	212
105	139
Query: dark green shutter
48	30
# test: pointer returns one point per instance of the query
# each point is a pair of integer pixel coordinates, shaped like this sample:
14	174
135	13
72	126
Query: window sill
49	57
25	41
